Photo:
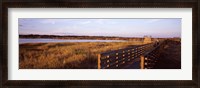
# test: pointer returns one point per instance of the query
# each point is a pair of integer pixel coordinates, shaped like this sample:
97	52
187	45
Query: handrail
149	59
117	58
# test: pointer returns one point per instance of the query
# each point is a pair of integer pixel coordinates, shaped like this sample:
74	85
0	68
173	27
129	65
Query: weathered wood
99	61
142	62
117	58
152	56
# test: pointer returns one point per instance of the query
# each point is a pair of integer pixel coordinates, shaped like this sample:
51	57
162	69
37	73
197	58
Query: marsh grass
65	55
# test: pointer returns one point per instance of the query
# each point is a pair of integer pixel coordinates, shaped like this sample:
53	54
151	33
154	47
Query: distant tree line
92	37
81	37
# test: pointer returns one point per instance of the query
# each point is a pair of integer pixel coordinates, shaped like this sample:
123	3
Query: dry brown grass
65	55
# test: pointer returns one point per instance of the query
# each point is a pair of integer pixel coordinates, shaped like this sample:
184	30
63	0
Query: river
45	40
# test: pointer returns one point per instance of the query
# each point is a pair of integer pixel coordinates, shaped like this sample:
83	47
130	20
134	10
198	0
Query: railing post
142	62
99	61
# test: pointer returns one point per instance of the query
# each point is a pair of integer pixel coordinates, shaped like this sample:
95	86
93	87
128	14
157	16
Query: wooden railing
146	55
149	59
118	58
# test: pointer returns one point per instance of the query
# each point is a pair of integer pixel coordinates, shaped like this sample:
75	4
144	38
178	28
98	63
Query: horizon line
100	36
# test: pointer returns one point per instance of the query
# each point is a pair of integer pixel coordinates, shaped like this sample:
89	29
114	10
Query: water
22	40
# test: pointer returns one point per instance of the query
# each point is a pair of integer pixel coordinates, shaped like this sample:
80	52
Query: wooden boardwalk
130	58
163	55
171	56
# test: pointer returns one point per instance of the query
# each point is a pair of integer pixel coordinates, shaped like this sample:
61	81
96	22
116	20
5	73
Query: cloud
53	21
85	22
102	21
96	21
153	20
48	21
20	25
113	22
63	33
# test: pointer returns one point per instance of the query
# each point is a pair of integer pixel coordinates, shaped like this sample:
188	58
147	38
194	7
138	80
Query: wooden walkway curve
129	58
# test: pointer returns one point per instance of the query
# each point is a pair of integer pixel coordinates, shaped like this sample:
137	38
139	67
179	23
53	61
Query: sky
162	28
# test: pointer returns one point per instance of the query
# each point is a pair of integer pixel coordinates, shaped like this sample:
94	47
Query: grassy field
65	55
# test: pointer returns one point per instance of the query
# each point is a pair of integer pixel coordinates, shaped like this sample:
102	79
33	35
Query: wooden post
99	61
142	62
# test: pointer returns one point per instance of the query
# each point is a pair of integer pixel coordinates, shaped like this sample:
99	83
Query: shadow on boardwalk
170	56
